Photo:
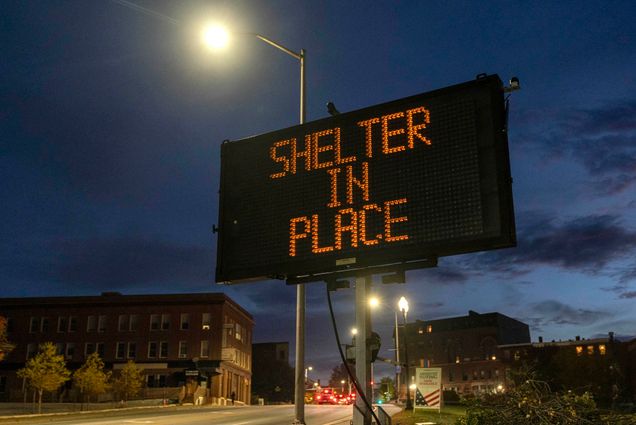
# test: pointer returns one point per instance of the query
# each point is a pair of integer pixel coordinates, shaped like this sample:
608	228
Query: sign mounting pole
363	354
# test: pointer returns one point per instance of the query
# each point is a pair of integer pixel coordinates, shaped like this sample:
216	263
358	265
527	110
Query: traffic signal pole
363	353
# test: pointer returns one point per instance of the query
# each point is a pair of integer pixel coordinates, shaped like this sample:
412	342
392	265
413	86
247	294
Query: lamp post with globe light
216	37
403	305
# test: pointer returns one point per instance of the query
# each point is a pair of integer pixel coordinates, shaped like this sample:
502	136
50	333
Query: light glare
215	37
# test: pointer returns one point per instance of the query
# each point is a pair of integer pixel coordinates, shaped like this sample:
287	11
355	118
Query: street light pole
299	393
397	360
404	308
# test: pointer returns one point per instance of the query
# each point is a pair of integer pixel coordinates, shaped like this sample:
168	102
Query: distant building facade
604	366
466	348
273	377
200	343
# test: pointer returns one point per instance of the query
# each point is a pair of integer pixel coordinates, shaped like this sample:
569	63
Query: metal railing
385	419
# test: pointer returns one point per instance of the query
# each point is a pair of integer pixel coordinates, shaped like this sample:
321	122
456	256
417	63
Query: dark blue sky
111	119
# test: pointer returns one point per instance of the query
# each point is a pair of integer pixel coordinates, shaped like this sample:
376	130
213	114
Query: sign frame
495	191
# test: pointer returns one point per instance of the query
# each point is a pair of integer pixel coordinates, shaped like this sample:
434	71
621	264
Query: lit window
517	355
590	350
420	331
70	350
206	320
579	350
429	328
100	349
456	359
601	349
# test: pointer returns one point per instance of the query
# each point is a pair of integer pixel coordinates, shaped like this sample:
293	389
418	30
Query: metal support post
363	354
299	393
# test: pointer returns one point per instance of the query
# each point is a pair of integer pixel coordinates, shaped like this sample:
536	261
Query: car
344	399
326	396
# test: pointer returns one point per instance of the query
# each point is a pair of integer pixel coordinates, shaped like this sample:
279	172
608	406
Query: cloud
587	244
628	295
602	139
552	312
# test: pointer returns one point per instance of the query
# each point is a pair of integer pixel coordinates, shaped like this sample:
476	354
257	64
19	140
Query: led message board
416	178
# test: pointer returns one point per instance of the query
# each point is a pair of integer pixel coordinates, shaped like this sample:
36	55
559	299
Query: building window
183	349
601	349
121	350
590	350
165	322
44	325
185	321
132	350
206	321
70	350
155	322
579	350
62	324
152	350
72	324
31	350
238	334
101	323
91	324
205	348
517	355
163	349
429	328
100	349
457	360
59	349
133	323
450	376
34	325
122	323
89	348
420	331
3	384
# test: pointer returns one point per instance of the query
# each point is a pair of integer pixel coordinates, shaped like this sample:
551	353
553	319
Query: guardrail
385	419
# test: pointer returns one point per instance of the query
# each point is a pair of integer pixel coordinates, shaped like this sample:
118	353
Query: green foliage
46	371
5	345
338	374
387	389
91	379
130	381
532	403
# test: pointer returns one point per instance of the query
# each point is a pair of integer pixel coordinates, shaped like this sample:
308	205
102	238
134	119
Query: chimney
578	338
611	337
540	339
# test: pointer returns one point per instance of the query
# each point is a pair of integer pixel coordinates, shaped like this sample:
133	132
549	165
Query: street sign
413	179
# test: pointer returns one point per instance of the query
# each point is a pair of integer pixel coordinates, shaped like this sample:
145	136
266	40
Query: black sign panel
416	178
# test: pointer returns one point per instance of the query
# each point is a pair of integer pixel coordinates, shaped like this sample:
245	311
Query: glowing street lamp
215	37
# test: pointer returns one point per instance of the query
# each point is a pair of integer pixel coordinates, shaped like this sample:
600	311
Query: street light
403	305
307	369
217	37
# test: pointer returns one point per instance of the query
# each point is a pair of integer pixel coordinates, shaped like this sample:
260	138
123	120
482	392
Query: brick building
466	348
199	344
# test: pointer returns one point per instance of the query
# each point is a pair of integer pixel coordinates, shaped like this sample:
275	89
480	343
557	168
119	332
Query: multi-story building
200	343
466	348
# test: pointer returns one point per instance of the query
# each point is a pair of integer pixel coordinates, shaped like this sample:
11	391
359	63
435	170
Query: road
252	415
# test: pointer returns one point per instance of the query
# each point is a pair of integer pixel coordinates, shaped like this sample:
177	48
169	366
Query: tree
387	389
46	371
5	345
91	379
129	381
339	374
